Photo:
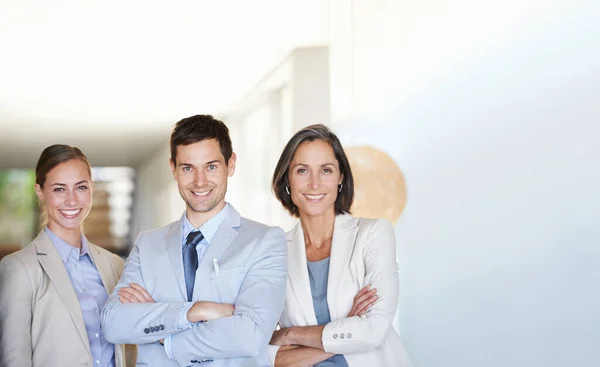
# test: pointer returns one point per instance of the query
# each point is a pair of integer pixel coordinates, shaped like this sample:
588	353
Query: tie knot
193	238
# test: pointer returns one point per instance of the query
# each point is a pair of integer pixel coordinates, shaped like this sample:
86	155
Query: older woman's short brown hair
280	176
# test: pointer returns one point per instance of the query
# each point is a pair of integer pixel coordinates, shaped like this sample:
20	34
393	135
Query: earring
341	185
287	190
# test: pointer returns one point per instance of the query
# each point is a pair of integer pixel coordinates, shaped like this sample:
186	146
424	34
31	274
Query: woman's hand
363	300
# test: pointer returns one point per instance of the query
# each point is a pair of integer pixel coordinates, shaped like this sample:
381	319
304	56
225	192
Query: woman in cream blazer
351	325
41	318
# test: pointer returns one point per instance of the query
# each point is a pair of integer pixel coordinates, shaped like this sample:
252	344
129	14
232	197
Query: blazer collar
227	232
175	253
342	247
298	274
104	267
52	264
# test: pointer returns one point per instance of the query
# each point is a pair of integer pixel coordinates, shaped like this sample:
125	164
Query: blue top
90	292
318	274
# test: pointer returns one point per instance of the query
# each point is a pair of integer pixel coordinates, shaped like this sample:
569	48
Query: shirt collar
208	229
64	249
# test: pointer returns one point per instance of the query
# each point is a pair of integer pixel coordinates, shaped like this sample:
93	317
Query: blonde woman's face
66	195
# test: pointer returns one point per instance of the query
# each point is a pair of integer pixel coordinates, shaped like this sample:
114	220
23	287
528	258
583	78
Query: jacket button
162	327
335	335
146	330
342	336
349	335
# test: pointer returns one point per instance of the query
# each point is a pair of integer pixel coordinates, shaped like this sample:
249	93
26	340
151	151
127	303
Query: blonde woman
52	291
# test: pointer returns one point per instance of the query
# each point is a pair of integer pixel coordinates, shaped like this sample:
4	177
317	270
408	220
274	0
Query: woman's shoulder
375	232
24	259
370	223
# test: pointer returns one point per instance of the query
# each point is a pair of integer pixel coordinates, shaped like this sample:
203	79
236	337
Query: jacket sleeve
257	310
365	333
16	302
128	351
137	323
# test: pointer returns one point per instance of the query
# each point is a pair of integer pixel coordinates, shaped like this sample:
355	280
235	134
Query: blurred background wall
479	120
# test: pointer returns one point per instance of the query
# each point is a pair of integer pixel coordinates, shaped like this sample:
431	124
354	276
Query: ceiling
113	77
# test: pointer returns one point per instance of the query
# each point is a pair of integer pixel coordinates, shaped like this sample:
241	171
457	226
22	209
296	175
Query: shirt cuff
182	320
169	347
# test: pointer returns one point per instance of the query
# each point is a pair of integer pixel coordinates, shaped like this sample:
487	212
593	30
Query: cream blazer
363	251
41	323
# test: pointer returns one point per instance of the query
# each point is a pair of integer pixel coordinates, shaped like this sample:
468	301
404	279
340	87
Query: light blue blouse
318	273
90	292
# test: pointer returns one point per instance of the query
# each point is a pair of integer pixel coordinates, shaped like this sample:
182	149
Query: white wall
157	200
491	110
295	94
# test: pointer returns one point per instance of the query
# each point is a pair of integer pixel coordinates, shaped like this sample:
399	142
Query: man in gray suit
209	287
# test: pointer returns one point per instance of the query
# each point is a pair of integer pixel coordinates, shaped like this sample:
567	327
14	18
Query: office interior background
472	125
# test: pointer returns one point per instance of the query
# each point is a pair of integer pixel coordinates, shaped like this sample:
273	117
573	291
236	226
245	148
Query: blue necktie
190	261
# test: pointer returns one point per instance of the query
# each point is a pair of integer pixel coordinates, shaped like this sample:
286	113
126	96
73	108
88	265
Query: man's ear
173	166
231	164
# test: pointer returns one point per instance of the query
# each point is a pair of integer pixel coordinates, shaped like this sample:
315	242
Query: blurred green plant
18	206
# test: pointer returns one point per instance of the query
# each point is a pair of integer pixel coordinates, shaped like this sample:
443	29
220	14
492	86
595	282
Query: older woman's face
67	195
314	176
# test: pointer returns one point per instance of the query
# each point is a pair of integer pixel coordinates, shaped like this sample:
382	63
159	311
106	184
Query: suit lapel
175	252
104	268
55	269
224	237
298	274
342	246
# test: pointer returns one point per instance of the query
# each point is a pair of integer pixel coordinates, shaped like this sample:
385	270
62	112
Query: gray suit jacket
41	323
252	260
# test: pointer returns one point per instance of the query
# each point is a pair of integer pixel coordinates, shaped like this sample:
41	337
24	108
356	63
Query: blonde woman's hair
51	157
